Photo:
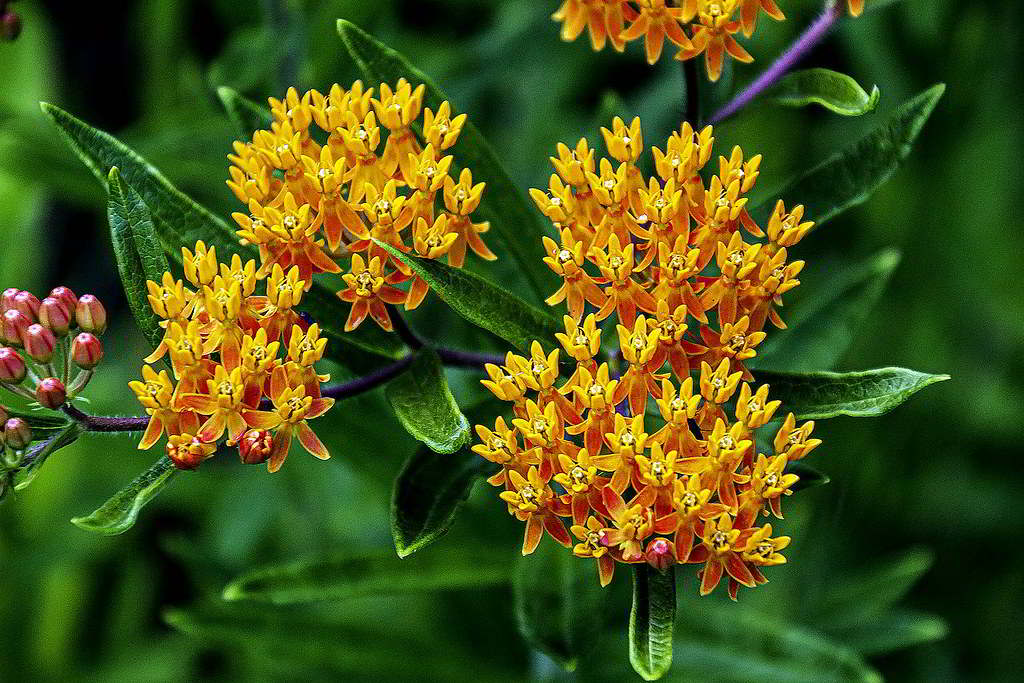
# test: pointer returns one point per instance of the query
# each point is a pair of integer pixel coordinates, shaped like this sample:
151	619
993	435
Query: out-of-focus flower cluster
647	449
243	363
695	27
338	170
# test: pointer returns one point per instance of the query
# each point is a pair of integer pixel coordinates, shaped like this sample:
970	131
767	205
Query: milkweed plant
646	415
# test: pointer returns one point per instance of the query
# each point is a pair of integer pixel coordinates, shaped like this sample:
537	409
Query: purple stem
95	423
814	34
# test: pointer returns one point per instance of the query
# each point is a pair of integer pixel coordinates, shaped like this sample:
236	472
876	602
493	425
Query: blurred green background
934	480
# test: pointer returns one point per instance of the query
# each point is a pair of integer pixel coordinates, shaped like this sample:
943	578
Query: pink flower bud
51	393
55	315
66	297
255	446
27	303
12	327
12	367
39	343
10	26
17	433
91	315
661	554
7	299
86	351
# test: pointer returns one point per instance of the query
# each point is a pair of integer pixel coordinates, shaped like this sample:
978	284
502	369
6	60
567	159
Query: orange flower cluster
225	343
711	23
319	187
679	481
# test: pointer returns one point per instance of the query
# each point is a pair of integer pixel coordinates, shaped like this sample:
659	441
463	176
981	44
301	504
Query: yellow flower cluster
226	344
319	187
680	481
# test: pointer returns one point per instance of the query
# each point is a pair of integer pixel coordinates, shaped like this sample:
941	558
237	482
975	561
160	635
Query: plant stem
94	423
807	41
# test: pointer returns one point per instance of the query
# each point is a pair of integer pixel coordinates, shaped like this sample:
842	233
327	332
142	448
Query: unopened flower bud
12	366
27	303
66	297
55	315
51	393
39	343
7	298
187	451
91	315
13	325
10	25
661	554
255	446
86	351
17	433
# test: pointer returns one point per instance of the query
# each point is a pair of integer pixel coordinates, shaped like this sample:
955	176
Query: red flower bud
66	297
10	26
661	554
7	298
12	366
39	343
27	303
55	315
17	433
51	393
13	325
255	446
86	351
91	315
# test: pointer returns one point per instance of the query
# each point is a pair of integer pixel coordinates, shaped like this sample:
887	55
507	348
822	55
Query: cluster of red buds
15	437
36	344
10	22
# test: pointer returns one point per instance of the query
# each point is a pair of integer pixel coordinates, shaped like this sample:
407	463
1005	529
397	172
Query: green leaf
869	393
651	621
248	116
560	604
514	220
482	303
43	425
430	489
822	325
425	406
179	222
137	251
345	576
864	596
850	176
809	477
118	514
896	629
43	450
835	91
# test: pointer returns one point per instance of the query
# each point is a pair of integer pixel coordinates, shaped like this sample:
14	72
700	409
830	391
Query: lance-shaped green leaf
425	406
514	220
345	576
118	514
869	393
835	91
483	303
821	327
652	620
179	221
560	605
430	489
896	629
137	250
40	451
43	425
850	176
248	116
809	477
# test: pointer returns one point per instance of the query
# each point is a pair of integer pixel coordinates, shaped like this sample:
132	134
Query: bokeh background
933	488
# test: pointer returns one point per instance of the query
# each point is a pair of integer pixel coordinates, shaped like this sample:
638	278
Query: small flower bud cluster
320	187
53	343
684	483
15	437
225	344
